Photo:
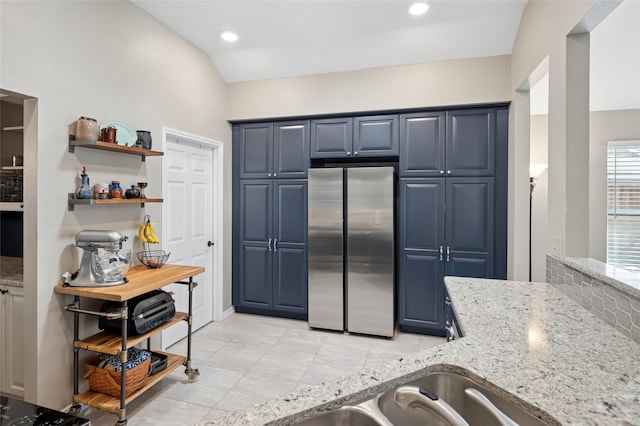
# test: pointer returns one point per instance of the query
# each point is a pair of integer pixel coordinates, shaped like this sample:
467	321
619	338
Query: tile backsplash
605	297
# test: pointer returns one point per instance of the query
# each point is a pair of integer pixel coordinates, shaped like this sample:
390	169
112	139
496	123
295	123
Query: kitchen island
527	338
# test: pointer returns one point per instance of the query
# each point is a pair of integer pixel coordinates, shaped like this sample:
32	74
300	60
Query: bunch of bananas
146	232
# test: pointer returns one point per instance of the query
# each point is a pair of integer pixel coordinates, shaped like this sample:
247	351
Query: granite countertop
527	338
11	271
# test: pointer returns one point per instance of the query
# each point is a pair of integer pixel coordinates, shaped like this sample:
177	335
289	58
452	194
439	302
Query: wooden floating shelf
73	201
17	129
113	147
111	343
111	404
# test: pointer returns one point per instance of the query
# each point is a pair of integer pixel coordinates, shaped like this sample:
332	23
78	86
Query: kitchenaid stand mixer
98	270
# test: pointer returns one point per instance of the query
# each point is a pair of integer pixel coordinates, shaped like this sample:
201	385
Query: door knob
210	243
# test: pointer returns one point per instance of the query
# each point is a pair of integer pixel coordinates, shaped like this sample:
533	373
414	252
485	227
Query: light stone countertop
11	273
623	280
526	338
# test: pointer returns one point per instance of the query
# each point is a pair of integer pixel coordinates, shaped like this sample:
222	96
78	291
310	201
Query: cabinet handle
355	153
348	152
441	172
275	245
441	253
275	174
448	254
269	244
269	174
448	172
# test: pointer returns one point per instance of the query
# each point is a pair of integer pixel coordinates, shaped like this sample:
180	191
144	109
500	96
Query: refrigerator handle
269	244
448	254
441	253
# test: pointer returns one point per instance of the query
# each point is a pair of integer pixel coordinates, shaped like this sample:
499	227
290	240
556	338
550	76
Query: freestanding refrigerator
351	250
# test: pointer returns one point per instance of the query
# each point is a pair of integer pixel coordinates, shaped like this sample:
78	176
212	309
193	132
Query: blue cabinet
355	137
448	144
279	149
446	228
272	276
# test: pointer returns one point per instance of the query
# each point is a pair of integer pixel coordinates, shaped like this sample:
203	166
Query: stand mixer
102	263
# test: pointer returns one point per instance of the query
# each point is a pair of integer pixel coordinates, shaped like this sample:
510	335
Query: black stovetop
14	412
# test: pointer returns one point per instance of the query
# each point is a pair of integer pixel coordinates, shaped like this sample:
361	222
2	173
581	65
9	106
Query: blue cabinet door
471	142
332	138
255	263
422	150
375	136
256	150
421	268
470	213
290	247
291	149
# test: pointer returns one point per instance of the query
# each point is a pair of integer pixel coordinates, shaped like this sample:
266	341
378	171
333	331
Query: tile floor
250	359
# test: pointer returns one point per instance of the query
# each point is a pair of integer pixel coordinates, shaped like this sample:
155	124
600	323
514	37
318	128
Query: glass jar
115	191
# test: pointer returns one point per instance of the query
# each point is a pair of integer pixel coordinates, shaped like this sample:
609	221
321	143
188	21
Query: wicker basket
108	381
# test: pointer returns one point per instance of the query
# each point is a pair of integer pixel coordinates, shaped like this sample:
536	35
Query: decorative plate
124	135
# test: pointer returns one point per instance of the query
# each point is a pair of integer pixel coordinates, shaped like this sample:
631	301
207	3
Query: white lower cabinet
12	341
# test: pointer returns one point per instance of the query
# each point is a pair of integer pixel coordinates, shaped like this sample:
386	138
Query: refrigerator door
325	244
370	251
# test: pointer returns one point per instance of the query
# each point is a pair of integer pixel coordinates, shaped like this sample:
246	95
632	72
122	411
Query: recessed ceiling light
419	9
229	36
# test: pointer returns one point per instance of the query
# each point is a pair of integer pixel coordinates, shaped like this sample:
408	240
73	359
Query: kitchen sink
450	396
350	415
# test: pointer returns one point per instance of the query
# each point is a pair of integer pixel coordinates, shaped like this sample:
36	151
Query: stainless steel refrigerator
351	249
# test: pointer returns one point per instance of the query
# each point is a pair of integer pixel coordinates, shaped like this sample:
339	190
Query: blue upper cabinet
256	150
471	142
332	137
375	136
423	144
452	144
279	149
291	149
354	137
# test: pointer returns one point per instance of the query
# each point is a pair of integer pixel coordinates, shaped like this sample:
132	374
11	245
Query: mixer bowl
110	266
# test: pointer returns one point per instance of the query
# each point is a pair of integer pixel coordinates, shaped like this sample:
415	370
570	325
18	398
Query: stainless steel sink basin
438	398
451	387
346	416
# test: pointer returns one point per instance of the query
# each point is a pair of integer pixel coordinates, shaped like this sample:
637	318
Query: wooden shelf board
111	404
141	281
110	343
90	201
114	147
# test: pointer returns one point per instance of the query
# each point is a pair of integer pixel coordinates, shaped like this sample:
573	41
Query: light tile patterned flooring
250	359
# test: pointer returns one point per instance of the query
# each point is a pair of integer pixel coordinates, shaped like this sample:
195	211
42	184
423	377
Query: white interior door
188	226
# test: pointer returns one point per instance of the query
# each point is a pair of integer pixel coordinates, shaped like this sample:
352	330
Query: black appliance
146	312
14	412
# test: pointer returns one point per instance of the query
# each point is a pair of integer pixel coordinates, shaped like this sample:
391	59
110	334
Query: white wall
458	82
542	37
107	60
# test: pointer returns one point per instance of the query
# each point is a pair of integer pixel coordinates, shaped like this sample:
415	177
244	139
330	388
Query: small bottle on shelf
85	190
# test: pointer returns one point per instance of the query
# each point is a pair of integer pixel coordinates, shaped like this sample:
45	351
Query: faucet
501	418
408	396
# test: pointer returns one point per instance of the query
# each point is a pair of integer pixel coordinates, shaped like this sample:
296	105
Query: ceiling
301	37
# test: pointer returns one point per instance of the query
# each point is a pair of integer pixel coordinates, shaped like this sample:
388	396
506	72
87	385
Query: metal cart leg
122	412
192	374
75	408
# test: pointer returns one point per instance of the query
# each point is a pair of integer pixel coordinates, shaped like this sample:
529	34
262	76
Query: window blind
623	204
